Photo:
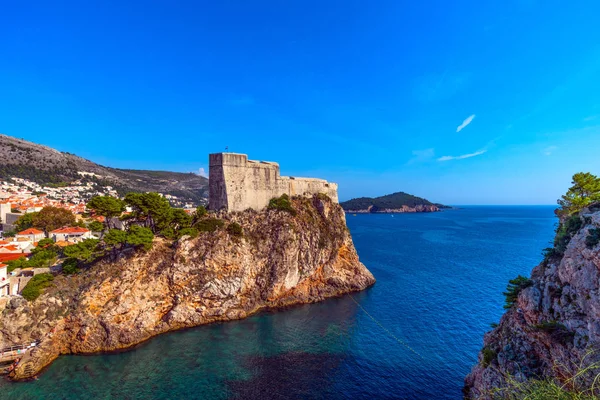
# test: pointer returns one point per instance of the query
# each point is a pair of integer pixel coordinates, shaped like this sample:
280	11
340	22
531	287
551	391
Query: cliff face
553	329
281	259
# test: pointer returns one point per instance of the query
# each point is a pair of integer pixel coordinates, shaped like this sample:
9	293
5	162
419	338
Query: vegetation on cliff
392	201
551	322
250	261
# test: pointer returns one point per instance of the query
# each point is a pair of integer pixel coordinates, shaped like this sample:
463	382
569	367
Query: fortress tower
236	183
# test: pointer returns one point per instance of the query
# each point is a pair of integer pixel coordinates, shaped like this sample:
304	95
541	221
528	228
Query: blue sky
464	102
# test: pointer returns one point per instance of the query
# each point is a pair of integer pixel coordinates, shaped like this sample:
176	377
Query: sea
415	334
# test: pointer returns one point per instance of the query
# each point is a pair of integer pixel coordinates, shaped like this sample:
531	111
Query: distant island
398	202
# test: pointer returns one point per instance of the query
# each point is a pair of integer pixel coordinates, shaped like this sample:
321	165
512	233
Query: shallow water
414	335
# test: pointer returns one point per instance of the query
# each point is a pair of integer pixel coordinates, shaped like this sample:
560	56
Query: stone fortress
236	183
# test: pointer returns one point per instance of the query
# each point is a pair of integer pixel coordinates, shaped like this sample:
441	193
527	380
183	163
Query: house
35	235
4	280
70	234
10	248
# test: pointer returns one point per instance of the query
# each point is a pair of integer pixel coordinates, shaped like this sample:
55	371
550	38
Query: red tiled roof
14	256
3	265
10	247
69	230
30	231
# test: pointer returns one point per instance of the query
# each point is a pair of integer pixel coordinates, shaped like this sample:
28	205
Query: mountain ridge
46	165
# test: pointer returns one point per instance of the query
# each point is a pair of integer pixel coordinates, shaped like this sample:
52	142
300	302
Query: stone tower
236	183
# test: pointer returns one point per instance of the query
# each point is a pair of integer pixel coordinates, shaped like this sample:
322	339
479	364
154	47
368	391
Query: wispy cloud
462	157
422	156
465	123
549	150
202	172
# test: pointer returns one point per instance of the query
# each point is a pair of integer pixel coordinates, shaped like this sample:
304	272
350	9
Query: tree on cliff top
585	191
107	206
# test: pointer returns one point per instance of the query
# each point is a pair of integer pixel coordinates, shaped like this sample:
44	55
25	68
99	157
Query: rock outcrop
553	329
281	259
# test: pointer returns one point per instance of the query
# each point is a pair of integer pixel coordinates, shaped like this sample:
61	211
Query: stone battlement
236	183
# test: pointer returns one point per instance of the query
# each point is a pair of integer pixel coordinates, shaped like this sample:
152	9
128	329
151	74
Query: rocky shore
553	329
281	258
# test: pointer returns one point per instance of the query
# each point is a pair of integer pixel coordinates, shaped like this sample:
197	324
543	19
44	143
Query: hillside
48	166
395	202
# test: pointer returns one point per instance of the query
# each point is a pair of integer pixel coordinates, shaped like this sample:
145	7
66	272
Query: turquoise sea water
414	335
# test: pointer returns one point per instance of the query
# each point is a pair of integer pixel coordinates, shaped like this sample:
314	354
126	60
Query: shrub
140	237
70	266
34	287
209	225
235	229
168	233
323	196
282	203
489	355
593	238
201	212
191	232
566	231
513	289
557	330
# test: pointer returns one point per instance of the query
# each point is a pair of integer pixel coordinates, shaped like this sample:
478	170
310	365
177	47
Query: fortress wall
236	183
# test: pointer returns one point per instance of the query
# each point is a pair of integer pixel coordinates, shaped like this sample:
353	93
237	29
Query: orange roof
4	242
10	257
10	247
30	231
70	230
62	243
3	265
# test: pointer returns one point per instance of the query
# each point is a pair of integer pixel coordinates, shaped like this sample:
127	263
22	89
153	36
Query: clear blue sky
369	94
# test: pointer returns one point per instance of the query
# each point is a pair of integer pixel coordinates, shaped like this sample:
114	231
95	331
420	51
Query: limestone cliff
281	259
553	329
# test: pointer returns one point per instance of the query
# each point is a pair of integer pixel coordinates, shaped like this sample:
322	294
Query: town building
35	235
70	234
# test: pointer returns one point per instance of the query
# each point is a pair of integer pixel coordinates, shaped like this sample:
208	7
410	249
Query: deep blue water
439	285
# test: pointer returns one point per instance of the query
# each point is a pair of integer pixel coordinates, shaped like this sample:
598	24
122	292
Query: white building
34	235
70	234
4	280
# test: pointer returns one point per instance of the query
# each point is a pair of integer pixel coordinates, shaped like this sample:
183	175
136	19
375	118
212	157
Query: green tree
70	266
85	250
51	218
139	236
96	226
181	219
107	206
45	243
585	191
513	289
25	221
115	237
150	209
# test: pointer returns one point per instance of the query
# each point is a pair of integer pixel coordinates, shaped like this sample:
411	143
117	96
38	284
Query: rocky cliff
553	329
282	258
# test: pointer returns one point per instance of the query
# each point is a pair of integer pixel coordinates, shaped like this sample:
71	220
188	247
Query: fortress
236	183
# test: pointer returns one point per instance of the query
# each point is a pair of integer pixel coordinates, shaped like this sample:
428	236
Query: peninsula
399	202
166	271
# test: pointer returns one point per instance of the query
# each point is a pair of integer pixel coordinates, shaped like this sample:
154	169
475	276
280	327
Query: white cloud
549	150
202	172
465	123
462	157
